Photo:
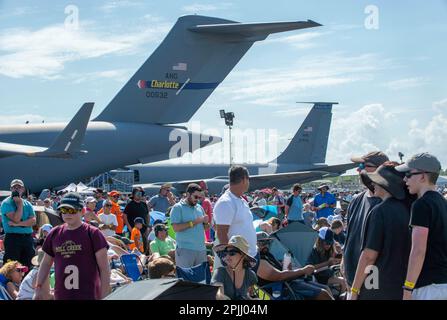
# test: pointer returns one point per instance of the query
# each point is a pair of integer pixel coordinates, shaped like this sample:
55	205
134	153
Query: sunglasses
230	253
23	269
363	166
65	210
409	174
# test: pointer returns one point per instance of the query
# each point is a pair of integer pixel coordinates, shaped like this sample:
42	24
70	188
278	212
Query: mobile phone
15	193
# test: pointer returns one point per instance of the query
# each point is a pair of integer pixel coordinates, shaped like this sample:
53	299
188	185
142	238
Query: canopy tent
79	188
298	238
164	289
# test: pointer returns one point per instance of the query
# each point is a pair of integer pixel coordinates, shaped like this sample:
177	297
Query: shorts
431	292
186	258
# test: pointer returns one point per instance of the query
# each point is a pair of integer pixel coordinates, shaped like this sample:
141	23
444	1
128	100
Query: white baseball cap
90	199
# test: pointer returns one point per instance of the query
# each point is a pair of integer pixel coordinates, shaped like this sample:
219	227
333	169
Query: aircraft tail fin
309	144
68	143
194	58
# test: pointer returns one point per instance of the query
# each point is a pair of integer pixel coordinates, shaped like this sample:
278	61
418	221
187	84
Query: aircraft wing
66	145
256	181
283	179
339	169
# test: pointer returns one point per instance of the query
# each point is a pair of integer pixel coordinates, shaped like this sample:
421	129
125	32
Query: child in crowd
136	236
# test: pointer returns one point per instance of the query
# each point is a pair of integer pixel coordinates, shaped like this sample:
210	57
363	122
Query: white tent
79	188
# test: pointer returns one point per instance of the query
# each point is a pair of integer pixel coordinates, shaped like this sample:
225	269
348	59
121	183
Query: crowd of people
387	241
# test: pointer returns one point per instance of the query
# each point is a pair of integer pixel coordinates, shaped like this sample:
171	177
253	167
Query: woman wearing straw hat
236	277
386	238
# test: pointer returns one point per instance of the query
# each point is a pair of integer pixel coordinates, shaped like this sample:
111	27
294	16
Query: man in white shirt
232	214
108	220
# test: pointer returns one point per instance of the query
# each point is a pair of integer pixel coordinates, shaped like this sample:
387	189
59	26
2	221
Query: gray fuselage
109	146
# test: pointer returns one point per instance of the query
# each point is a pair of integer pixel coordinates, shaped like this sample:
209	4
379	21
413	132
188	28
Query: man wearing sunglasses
187	218
79	253
427	266
137	208
18	217
357	212
163	200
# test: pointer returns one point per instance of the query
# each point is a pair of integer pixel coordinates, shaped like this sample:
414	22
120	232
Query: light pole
228	116
401	155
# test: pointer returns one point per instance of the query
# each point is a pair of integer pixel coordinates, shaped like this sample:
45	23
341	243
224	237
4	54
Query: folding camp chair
261	294
286	291
130	264
200	273
4	295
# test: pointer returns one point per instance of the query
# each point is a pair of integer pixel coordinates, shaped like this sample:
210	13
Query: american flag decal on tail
308	129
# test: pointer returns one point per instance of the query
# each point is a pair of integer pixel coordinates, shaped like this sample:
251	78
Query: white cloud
297	111
298	41
406	83
275	86
44	52
440	106
197	7
119	75
23	118
112	5
374	127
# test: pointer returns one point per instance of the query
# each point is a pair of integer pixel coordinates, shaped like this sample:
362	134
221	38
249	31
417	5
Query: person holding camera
18	218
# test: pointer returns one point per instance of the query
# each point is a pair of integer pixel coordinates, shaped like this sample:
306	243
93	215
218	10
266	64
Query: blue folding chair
130	265
4	295
200	273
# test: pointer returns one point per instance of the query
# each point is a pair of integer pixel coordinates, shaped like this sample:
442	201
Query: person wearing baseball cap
88	212
136	235
357	211
324	202
427	266
99	196
115	210
270	270
163	200
325	255
75	246
162	244
386	239
18	218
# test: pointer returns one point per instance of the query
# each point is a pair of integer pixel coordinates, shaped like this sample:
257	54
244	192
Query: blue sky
390	81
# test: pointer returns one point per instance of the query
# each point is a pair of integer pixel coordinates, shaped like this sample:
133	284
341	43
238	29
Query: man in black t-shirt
137	208
357	213
427	265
